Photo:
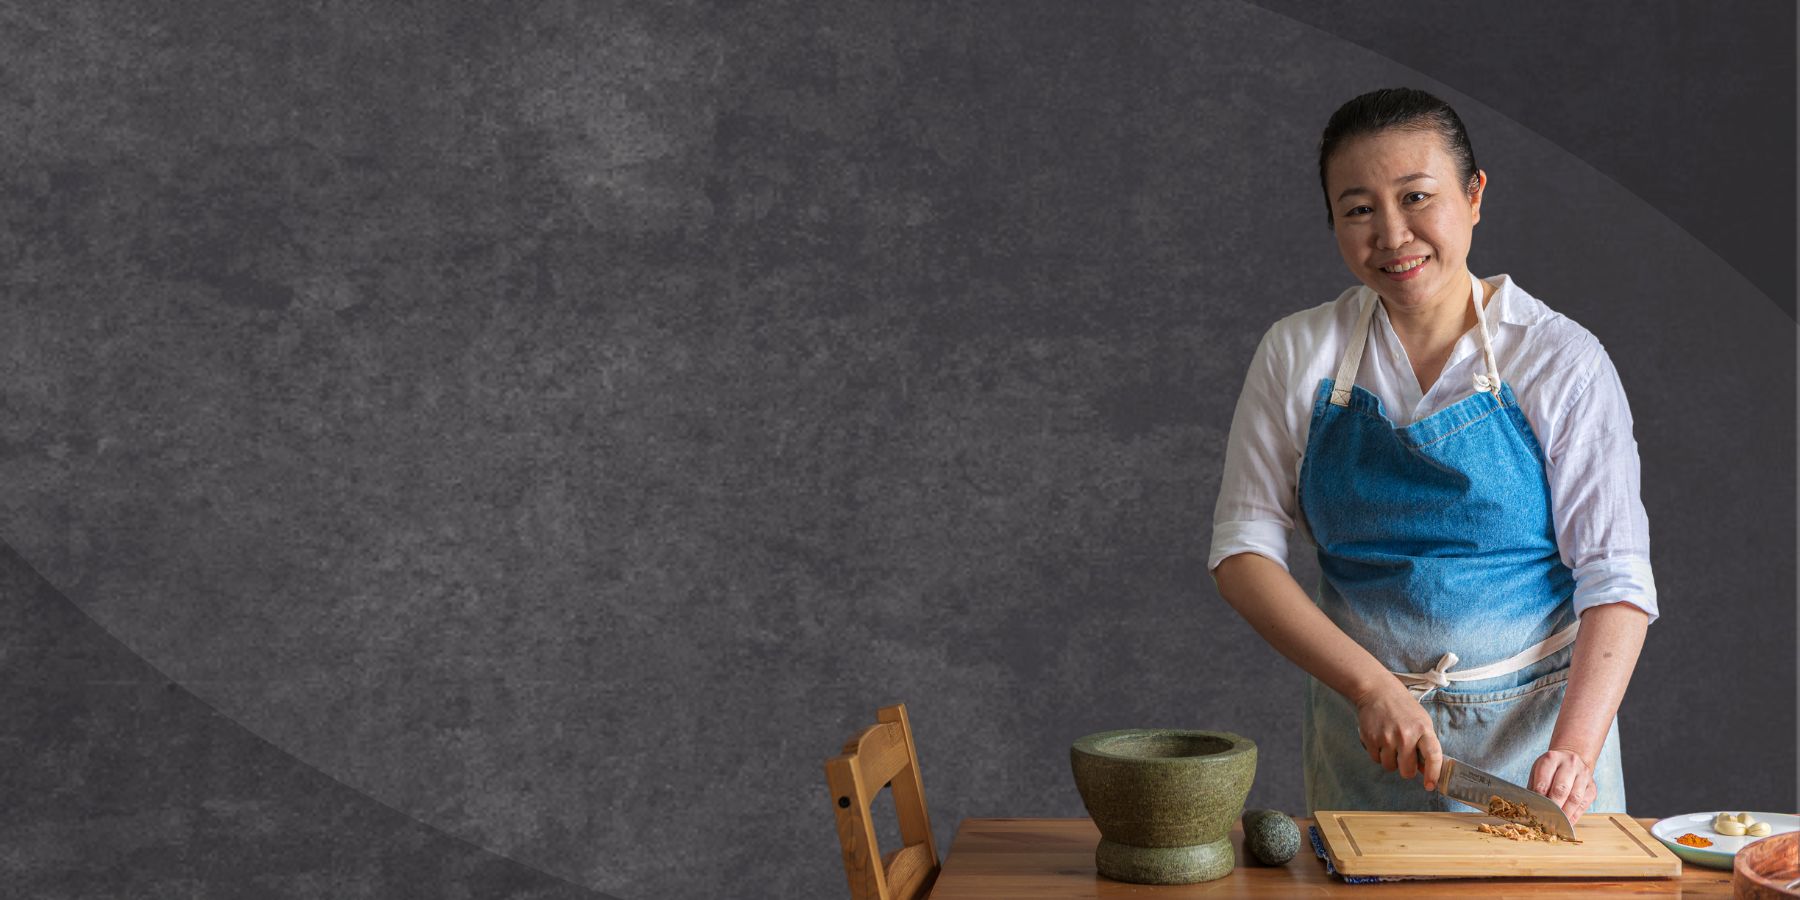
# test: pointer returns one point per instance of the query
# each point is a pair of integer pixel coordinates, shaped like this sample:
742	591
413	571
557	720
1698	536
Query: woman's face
1398	204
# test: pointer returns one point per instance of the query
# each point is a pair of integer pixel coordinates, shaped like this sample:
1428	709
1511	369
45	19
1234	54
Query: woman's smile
1405	269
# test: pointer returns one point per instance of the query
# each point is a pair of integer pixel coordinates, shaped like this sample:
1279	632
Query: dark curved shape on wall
120	782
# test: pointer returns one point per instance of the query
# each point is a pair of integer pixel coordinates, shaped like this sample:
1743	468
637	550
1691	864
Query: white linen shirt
1565	384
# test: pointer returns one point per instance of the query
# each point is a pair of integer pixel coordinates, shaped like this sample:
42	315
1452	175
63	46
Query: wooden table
1053	859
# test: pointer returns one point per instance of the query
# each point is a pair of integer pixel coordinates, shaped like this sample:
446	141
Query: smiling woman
1474	497
1407	197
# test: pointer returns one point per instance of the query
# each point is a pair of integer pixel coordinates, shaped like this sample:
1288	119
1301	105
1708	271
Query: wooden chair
883	755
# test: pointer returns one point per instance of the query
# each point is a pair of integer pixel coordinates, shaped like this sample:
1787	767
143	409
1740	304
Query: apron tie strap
1438	676
1422	683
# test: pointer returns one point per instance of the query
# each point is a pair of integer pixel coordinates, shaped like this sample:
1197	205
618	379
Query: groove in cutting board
1350	837
1634	838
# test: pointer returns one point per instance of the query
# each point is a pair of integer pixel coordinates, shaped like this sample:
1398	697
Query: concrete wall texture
501	450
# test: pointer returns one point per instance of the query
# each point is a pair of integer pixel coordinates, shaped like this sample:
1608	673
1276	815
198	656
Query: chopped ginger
1525	826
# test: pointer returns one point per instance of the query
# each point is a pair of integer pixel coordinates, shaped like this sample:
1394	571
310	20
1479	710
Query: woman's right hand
1398	733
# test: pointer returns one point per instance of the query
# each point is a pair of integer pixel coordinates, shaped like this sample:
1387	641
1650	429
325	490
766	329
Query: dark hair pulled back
1404	108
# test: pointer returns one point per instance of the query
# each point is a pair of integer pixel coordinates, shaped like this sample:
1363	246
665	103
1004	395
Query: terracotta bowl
1164	801
1763	869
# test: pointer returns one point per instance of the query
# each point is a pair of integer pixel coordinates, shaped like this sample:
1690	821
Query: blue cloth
1437	537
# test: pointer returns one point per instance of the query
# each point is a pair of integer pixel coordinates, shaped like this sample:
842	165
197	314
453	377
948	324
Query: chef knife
1466	784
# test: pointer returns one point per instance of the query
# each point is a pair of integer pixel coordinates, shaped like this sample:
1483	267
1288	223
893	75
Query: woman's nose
1391	232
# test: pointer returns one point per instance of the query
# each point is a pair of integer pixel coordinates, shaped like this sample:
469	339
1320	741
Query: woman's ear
1479	190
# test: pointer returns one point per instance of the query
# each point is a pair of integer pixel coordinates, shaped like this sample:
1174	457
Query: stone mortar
1164	801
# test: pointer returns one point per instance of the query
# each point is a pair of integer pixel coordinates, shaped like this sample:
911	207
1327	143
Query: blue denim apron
1436	545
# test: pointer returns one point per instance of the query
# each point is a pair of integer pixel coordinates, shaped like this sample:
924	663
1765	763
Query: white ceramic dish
1724	847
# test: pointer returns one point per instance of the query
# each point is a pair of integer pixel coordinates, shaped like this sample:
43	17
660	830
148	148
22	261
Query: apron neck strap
1346	373
1487	382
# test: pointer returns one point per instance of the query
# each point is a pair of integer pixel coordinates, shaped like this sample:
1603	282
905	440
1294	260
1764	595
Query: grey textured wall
500	450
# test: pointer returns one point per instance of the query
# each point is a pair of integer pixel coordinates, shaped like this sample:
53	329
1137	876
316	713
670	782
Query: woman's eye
1356	211
1421	195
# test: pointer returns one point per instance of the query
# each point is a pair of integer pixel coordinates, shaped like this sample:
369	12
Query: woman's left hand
1564	777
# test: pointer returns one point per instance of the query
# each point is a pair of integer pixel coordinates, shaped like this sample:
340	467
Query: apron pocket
1546	681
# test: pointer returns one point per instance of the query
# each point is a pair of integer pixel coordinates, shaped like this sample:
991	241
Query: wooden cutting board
1447	844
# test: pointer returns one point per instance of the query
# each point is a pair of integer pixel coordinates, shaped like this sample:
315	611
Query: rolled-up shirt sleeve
1257	491
1601	527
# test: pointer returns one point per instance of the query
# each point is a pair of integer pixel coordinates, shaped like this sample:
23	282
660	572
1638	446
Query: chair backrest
882	756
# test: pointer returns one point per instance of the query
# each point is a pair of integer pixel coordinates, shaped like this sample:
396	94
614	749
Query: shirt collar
1510	305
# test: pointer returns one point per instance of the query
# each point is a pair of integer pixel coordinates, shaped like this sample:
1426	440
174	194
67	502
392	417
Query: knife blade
1466	784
